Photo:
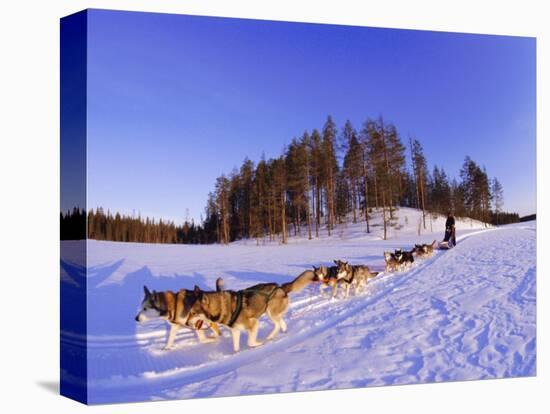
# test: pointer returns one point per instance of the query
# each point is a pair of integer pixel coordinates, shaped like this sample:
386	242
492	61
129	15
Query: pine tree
222	201
304	160
316	176
330	169
353	164
498	197
420	169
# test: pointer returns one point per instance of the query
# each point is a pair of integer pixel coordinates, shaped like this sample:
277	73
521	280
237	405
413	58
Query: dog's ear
336	261
146	291
197	290
219	284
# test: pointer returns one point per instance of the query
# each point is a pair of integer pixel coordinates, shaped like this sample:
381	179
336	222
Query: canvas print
254	207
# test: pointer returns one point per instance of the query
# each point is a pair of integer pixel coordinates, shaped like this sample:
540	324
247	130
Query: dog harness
240	294
238	309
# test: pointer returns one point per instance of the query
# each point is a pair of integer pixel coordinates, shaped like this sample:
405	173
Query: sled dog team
241	310
402	260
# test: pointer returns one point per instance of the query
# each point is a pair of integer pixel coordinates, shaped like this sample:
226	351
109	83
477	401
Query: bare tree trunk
366	195
270	224
317	209
329	205
422	198
320	207
249	214
296	219
376	192
283	218
308	214
354	199
384	214
414	175
388	172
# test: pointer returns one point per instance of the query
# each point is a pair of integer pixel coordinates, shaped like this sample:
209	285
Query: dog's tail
433	243
304	279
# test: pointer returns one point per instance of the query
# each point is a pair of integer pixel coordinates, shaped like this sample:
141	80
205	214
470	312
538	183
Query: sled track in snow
305	305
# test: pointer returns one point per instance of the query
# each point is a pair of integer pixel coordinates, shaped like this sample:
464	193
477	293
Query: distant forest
323	178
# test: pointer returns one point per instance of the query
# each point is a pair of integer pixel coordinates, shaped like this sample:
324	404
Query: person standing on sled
450	230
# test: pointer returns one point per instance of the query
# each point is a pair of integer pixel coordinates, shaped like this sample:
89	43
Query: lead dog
241	310
424	250
170	306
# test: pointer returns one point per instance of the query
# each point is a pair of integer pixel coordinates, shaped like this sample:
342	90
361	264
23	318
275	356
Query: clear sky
174	101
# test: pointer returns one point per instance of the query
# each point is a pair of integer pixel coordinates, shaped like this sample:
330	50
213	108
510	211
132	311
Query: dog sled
449	240
445	245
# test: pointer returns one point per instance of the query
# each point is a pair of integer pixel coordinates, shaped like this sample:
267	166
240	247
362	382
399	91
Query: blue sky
174	101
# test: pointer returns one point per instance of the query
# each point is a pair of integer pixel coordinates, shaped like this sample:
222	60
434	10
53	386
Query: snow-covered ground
467	313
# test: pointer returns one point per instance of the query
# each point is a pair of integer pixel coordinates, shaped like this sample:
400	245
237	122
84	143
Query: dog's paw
168	348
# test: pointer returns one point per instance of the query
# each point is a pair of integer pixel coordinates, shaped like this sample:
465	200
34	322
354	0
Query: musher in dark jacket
450	230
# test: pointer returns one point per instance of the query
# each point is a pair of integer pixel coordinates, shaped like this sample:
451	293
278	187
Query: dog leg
348	287
171	336
236	334
215	330
334	290
275	330
203	339
253	334
283	324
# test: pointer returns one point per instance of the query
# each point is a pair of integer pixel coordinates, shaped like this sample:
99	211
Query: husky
405	258
393	264
424	250
329	277
170	306
242	309
355	275
420	250
430	248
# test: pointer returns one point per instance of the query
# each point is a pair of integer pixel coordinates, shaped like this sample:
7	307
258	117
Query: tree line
323	178
103	225
326	176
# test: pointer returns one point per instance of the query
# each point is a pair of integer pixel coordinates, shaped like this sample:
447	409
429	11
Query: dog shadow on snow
112	306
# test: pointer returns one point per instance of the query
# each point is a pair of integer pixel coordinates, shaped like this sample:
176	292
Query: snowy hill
467	313
406	222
